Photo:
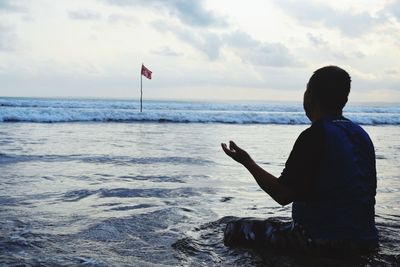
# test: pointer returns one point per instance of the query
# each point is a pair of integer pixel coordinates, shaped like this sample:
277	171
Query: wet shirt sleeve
304	162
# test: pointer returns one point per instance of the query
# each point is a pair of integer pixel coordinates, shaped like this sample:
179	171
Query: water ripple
103	159
76	195
140	206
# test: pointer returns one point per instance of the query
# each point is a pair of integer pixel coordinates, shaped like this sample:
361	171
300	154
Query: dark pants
273	233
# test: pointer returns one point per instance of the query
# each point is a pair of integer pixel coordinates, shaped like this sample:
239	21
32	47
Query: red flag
146	72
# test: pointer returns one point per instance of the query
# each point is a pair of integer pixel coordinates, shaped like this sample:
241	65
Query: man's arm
269	183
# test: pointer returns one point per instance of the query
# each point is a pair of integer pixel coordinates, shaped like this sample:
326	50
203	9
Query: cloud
119	18
206	42
316	40
348	23
394	9
166	51
84	15
7	39
392	72
242	44
6	5
190	12
193	13
319	43
259	53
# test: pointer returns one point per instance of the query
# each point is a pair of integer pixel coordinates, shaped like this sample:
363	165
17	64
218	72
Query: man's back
340	204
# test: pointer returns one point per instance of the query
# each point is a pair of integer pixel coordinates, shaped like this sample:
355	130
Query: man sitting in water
330	177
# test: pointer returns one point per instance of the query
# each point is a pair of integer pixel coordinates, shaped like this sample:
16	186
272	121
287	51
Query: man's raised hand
236	153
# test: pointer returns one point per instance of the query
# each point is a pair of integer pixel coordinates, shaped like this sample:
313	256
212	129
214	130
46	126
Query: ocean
97	183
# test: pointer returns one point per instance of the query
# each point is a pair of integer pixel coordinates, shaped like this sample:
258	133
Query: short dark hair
330	86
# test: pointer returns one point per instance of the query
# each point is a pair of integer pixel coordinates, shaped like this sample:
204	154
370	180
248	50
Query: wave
59	110
233	117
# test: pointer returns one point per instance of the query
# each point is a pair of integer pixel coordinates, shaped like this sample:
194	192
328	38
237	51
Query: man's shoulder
349	126
315	130
311	137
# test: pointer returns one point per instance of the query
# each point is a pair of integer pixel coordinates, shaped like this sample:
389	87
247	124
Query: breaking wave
65	110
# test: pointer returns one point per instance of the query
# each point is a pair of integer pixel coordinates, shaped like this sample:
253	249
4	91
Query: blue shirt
332	172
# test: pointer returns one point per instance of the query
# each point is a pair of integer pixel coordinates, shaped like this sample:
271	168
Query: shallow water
156	194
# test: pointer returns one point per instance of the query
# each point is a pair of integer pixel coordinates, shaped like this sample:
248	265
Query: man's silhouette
330	177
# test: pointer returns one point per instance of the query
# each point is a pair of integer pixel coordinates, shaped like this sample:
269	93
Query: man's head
327	91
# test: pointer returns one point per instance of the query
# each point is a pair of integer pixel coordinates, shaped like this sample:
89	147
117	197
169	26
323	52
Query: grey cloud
7	39
259	53
191	12
11	6
207	43
316	40
392	72
394	9
166	51
319	43
84	15
349	23
359	54
340	55
242	44
119	18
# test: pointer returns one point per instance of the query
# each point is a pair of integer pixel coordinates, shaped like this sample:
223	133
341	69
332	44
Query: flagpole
141	89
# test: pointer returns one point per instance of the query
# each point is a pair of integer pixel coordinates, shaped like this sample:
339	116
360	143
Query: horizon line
183	99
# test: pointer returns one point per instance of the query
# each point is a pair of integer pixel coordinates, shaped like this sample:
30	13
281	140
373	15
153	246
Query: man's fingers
226	149
233	146
223	145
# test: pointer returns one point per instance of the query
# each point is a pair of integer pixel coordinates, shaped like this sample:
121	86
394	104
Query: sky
197	49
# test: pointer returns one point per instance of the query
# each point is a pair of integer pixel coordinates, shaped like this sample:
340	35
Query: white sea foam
66	110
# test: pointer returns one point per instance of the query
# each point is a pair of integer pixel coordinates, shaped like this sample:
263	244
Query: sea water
97	183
